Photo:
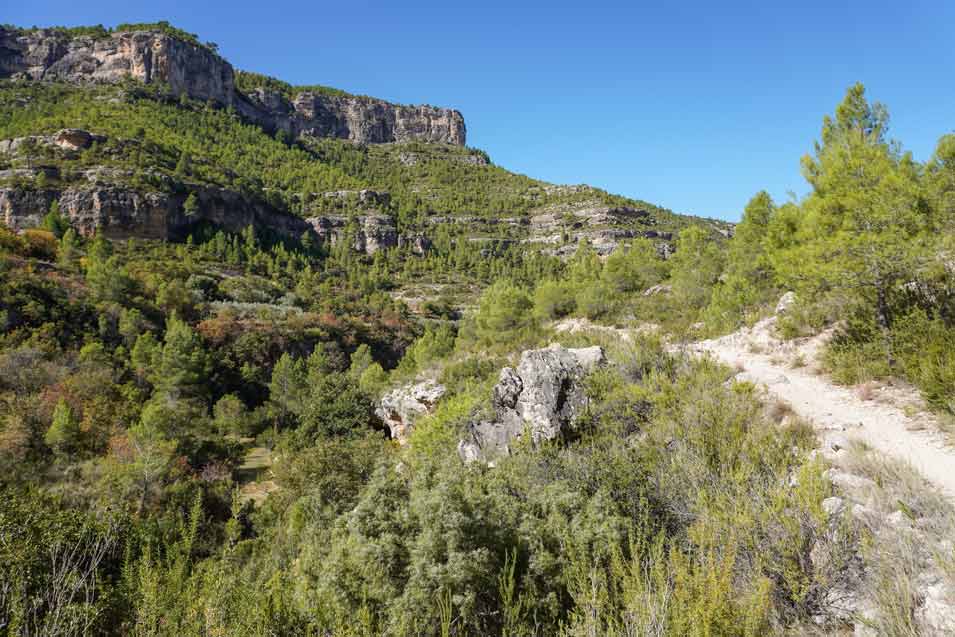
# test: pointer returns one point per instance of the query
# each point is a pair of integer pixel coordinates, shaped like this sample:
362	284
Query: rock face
370	233
68	139
543	395
147	56
121	213
400	408
359	119
604	227
196	71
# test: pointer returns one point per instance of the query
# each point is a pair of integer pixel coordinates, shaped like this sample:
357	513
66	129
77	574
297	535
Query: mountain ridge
161	55
164	123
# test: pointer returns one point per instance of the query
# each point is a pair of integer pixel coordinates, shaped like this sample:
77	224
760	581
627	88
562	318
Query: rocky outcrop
604	227
359	119
196	71
542	397
120	213
68	139
786	303
369	233
401	407
147	56
365	198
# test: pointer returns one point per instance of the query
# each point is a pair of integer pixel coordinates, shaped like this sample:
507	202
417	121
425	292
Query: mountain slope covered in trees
191	429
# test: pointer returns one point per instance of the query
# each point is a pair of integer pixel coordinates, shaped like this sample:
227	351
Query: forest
189	442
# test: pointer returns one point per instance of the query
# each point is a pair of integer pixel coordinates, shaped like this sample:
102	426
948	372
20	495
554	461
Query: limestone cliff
120	212
147	56
359	119
195	70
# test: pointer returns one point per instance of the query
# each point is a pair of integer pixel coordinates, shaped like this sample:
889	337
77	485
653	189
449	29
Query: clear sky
690	105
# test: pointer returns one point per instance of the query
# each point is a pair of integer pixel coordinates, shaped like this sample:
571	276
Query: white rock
898	520
542	395
832	505
937	612
848	482
400	407
785	303
837	443
589	357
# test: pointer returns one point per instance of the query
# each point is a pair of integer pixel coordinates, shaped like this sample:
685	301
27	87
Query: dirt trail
889	419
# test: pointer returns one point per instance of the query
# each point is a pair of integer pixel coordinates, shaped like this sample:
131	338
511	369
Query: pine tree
183	165
63	436
69	246
183	362
191	205
863	227
287	388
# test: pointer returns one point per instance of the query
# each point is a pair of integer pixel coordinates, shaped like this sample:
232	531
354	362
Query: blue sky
690	105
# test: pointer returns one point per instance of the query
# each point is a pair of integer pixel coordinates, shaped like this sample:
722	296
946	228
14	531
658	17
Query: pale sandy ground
891	419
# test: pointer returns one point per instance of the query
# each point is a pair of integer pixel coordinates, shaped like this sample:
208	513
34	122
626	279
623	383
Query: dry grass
778	410
909	541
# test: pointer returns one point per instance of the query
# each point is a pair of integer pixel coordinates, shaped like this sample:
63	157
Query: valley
283	360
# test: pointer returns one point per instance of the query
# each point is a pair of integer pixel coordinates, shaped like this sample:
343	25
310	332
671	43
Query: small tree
553	299
184	163
191	205
504	313
361	359
54	221
63	436
287	389
69	247
28	148
634	267
230	415
863	225
749	278
183	362
695	267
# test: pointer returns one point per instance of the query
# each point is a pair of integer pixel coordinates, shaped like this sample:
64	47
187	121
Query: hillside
189	123
286	361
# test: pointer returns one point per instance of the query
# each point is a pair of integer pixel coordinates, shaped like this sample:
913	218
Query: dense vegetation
132	393
868	251
247	82
170	143
188	444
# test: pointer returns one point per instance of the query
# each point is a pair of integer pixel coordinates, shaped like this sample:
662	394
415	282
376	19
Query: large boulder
401	407
542	396
75	139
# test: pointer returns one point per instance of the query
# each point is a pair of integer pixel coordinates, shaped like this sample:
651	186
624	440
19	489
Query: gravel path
838	412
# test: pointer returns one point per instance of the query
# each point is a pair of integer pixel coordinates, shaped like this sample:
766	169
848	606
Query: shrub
553	300
40	244
336	406
504	314
595	300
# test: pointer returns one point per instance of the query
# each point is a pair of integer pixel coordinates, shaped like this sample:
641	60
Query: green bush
553	300
504	314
